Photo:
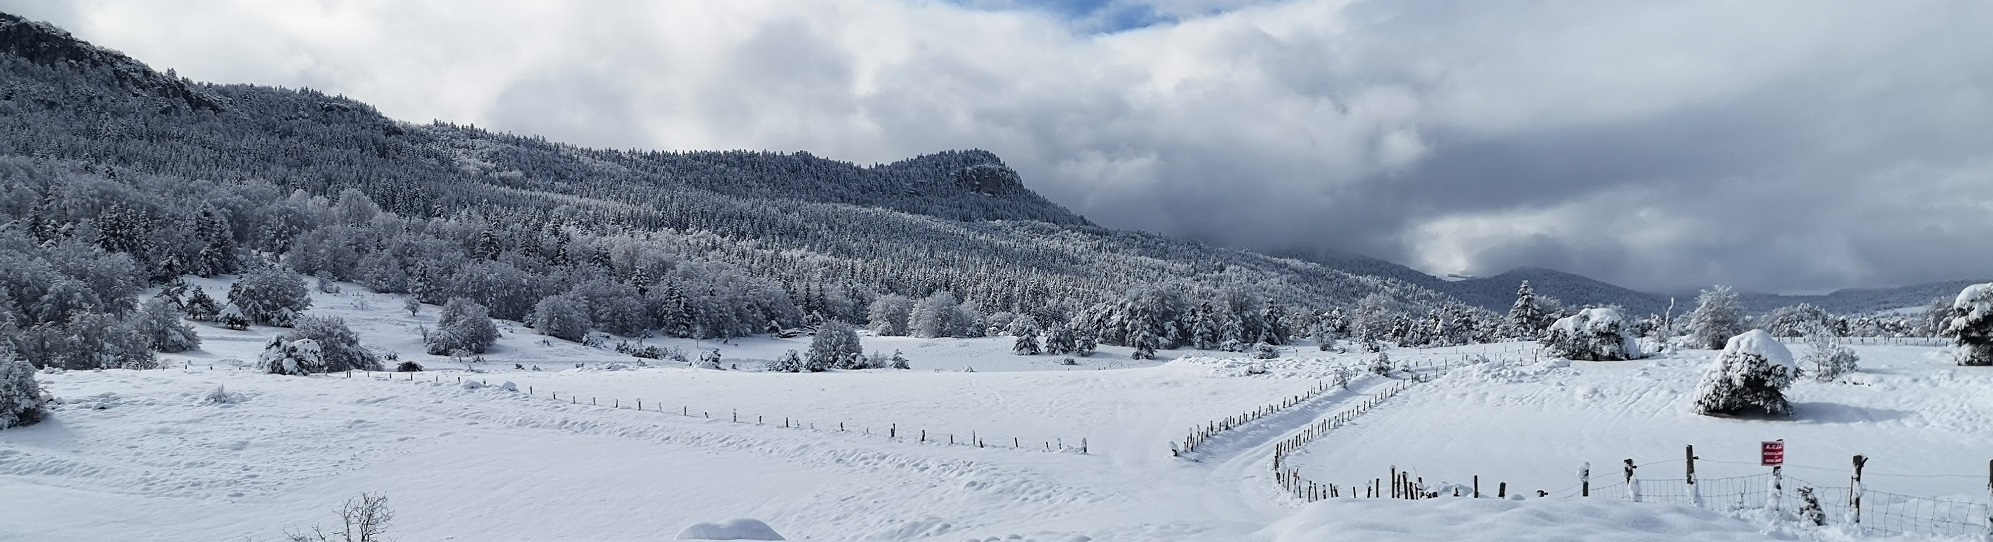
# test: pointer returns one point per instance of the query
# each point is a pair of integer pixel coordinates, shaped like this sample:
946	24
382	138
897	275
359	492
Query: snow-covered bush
1749	376
20	396
888	315
1381	364
270	297
1829	359
408	367
833	346
562	317
295	357
709	360
1971	325
465	325
1265	351
788	362
221	396
339	345
159	321
1595	334
1718	317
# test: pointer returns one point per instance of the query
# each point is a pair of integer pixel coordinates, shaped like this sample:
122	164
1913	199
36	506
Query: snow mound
1456	520
733	529
1758	342
1291	367
1514	371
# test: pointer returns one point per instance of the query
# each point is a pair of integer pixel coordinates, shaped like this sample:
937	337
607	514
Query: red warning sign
1772	453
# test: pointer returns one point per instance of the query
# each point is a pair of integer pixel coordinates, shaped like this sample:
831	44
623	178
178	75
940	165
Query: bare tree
364	518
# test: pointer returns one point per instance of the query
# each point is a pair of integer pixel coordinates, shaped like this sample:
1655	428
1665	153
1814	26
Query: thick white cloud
1771	145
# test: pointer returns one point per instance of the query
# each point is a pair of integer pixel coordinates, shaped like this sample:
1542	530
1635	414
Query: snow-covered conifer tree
1971	325
1717	318
1060	340
709	360
1749	376
788	362
200	306
1596	334
1526	317
1027	339
899	361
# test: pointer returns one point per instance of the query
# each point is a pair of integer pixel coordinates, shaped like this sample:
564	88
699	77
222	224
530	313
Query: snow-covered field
145	456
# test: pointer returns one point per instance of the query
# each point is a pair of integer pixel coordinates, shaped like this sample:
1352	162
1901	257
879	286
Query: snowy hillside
133	455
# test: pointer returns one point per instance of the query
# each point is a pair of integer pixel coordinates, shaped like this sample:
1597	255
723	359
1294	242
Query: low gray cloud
1782	146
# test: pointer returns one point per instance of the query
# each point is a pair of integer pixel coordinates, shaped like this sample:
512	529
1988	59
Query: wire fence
1896	341
1797	499
891	432
1295	484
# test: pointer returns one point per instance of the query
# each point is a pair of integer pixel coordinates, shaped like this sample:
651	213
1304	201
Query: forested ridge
108	160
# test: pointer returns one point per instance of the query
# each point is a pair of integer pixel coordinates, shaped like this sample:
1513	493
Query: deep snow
130	455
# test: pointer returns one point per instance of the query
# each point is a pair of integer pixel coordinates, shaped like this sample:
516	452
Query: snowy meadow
972	443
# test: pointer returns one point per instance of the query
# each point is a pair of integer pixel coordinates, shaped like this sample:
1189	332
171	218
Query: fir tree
1526	318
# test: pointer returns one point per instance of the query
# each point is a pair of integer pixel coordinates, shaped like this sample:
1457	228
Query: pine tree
201	307
899	361
1526	318
1027	343
789	362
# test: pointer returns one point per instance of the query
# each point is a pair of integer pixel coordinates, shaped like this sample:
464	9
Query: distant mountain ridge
1497	293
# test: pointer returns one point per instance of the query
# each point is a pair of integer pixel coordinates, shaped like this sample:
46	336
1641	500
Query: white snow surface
1762	344
144	455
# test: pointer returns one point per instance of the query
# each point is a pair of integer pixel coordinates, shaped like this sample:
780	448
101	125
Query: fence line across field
892	432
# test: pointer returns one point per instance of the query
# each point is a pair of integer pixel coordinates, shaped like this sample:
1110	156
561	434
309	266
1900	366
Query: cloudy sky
1776	146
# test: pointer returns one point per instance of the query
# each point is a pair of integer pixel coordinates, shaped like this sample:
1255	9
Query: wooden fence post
1778	487
1632	485
1394	481
1477	486
1855	488
1695	495
1585	480
1989	494
1502	491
